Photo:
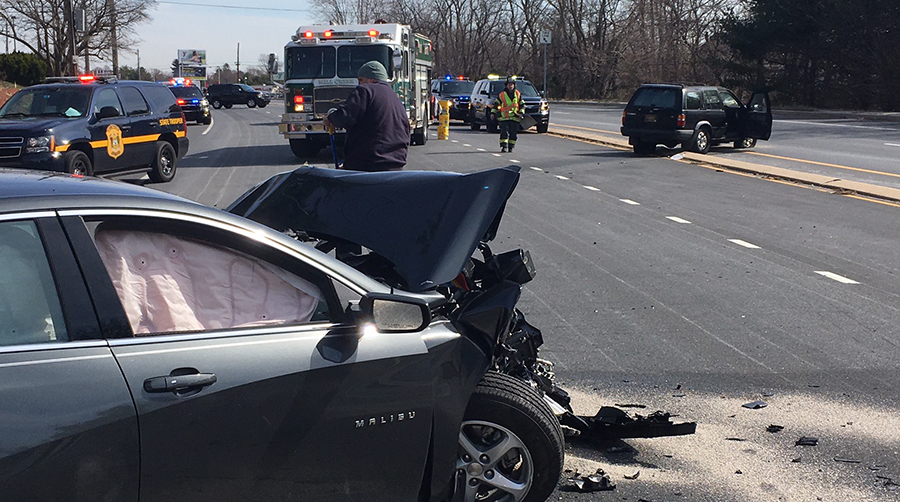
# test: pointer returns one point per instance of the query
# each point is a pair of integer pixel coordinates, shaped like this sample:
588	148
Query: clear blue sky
260	28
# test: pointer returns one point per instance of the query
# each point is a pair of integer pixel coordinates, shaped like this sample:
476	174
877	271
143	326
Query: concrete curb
838	185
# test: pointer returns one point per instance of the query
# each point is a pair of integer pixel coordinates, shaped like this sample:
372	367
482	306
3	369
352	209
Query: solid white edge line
629	201
835	277
743	243
677	219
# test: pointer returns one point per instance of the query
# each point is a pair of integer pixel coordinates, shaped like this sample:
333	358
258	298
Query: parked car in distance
94	126
228	95
153	348
695	116
191	100
486	91
458	91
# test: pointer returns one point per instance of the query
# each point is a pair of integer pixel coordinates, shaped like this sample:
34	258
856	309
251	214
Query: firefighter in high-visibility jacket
509	109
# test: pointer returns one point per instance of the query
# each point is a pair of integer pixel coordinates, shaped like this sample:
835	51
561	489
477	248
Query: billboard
194	72
195	57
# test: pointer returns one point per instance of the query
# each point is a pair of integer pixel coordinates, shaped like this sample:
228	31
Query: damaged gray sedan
156	349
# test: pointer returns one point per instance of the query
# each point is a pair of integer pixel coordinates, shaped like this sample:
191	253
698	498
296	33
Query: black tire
162	170
644	147
304	148
216	104
542	128
473	124
745	143
228	106
701	141
251	103
419	136
492	125
78	163
503	408
262	104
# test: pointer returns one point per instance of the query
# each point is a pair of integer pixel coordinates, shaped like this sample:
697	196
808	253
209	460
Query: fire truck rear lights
298	100
373	33
328	34
308	34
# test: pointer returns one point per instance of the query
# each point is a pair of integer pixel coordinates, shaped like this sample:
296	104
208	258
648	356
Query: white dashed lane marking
561	177
481	149
495	154
744	243
466	144
514	160
536	168
677	219
629	201
595	189
835	277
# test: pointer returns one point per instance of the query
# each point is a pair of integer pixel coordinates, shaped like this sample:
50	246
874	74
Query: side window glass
107	97
729	100
692	100
29	305
135	104
713	102
758	102
170	283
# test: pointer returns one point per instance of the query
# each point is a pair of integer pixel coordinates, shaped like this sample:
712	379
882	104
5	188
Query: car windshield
186	92
351	57
65	101
654	96
523	86
310	62
246	88
457	87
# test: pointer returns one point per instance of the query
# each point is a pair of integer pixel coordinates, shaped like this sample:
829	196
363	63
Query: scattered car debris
597	482
807	441
613	422
677	156
755	405
738	471
618	449
774	428
631	405
735	439
847	460
633	476
796	460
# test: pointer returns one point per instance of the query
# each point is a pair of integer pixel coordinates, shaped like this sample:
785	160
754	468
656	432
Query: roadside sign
544	37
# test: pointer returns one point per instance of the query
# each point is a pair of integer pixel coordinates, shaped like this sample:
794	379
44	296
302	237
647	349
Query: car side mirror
396	62
107	112
394	313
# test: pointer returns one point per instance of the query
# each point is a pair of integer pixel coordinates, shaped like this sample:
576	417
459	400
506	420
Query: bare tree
44	27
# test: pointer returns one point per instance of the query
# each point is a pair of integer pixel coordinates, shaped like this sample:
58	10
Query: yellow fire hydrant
444	120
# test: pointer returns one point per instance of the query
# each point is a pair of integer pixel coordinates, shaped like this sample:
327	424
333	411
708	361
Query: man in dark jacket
376	122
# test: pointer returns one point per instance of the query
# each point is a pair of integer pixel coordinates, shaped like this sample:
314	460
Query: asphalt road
679	287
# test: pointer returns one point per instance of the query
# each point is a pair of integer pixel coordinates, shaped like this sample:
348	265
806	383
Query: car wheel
473	124
419	136
643	147
216	104
745	143
492	125
251	103
304	148
163	168
78	163
228	106
700	141
262	104
510	444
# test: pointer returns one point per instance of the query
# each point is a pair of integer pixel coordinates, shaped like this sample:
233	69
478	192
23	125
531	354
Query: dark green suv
90	125
696	116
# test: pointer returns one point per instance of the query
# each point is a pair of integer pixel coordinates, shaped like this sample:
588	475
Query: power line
234	7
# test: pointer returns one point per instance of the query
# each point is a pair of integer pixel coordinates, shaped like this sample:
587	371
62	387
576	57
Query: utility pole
238	63
70	22
114	40
139	64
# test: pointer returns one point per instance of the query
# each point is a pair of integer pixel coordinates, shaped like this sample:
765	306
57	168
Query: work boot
502	148
510	149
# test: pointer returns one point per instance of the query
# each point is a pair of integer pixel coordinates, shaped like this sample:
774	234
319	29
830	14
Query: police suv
91	125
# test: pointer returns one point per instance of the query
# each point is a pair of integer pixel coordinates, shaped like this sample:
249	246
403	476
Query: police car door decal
114	146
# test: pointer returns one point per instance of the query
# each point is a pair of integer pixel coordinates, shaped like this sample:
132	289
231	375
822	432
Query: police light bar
461	77
86	78
448	77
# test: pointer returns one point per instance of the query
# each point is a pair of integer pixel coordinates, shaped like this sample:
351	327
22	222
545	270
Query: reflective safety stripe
126	141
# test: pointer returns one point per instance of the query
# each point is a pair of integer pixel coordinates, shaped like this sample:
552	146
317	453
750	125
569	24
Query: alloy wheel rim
495	464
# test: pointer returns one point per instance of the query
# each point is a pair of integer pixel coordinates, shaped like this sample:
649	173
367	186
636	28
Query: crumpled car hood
426	223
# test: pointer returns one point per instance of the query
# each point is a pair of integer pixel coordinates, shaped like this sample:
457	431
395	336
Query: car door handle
125	127
173	383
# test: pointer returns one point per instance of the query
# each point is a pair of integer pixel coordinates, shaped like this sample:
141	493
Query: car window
246	88
107	97
160	98
174	283
135	104
527	90
729	100
656	97
186	92
758	103
692	100
712	99
29	306
497	86
457	87
66	101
